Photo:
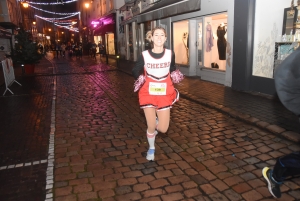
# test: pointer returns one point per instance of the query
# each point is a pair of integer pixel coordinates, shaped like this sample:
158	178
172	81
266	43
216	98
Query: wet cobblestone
100	143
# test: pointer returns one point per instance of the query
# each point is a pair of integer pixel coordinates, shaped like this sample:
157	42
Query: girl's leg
150	114
164	120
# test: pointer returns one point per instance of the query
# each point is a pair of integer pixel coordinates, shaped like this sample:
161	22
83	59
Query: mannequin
209	37
221	41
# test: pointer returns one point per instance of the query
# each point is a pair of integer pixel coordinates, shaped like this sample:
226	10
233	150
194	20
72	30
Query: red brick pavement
100	145
205	155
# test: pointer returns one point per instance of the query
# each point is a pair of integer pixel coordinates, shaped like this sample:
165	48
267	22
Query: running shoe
273	186
150	155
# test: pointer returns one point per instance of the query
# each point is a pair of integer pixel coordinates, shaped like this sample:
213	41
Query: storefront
276	35
126	36
104	33
201	35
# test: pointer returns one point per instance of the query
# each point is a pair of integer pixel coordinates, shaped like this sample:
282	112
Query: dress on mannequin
209	37
221	42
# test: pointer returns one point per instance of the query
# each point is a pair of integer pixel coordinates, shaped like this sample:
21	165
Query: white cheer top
157	69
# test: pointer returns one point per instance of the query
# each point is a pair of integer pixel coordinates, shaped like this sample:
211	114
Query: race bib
157	88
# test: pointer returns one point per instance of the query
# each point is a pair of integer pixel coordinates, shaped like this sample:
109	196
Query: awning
109	28
4	33
168	8
107	23
110	14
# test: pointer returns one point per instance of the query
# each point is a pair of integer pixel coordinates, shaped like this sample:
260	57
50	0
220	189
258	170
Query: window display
199	42
221	41
181	41
215	42
185	40
209	37
110	48
98	41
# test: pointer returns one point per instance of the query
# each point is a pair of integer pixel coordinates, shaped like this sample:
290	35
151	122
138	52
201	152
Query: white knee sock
151	139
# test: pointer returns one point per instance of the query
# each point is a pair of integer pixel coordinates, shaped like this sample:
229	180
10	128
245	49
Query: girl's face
159	38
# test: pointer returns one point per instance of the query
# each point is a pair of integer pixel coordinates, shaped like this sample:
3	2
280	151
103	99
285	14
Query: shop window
110	43
215	41
200	42
98	41
181	42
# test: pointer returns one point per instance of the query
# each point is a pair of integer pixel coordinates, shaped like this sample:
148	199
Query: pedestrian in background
80	50
93	50
287	83
156	91
101	49
57	49
63	49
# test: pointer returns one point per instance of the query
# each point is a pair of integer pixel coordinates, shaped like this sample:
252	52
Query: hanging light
25	4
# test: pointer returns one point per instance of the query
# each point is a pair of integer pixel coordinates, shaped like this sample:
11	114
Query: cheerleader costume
158	90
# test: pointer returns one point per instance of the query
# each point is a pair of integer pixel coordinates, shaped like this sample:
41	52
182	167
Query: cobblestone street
99	146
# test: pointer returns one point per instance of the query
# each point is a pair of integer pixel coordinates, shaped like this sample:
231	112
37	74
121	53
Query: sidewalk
263	111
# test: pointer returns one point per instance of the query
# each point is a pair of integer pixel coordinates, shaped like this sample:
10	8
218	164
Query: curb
275	129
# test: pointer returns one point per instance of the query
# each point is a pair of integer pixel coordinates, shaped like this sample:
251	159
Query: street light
87	5
25	4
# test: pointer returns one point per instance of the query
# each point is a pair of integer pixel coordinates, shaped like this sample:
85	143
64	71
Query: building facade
99	23
228	42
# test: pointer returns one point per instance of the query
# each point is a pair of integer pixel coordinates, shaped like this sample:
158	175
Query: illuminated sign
95	23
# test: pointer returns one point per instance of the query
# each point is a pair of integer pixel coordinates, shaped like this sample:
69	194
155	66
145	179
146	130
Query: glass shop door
199	42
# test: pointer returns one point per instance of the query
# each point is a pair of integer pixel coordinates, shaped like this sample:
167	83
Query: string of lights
52	12
70	23
67	23
53	3
57	18
67	27
61	22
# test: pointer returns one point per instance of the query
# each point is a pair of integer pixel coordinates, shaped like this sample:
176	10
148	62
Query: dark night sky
60	8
